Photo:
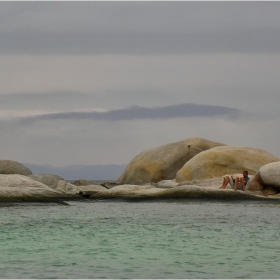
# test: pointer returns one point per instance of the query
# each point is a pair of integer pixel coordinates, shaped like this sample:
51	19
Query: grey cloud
139	28
137	112
87	43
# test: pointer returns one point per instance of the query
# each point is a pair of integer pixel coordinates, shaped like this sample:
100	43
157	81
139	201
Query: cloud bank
138	113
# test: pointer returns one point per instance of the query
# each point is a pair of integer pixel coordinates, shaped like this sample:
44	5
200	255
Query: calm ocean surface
155	239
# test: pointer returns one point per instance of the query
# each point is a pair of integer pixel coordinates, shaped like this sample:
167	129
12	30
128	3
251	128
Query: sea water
148	239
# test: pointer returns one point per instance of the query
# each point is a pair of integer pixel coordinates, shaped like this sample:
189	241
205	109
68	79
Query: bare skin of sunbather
243	180
226	181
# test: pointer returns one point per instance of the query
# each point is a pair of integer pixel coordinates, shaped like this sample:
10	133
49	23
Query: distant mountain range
75	172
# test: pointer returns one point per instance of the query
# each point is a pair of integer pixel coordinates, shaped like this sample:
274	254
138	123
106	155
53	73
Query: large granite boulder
13	167
270	175
17	188
224	160
163	162
267	180
47	179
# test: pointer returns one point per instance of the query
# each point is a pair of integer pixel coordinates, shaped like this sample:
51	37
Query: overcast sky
99	82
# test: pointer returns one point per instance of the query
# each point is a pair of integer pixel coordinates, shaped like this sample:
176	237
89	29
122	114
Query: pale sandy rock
255	185
213	183
128	187
22	188
68	188
162	163
270	175
166	184
218	161
50	180
120	191
82	182
186	192
126	190
267	180
109	185
13	167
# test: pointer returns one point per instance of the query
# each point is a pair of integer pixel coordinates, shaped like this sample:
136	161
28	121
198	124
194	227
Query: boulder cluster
191	168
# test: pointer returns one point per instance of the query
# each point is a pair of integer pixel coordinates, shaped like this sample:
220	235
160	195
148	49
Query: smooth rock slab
47	179
22	188
71	189
181	192
166	184
82	182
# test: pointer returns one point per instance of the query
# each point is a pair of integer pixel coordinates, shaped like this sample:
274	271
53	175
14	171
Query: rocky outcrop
109	185
162	163
16	188
218	161
166	184
82	182
267	180
180	192
71	189
13	167
47	179
270	175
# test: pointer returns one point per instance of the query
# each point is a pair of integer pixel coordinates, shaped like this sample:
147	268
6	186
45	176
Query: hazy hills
74	172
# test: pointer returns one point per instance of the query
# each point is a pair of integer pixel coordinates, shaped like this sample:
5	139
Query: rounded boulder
16	188
162	163
50	180
218	161
13	167
270	175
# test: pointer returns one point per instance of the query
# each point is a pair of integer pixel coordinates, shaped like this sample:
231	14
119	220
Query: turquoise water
156	239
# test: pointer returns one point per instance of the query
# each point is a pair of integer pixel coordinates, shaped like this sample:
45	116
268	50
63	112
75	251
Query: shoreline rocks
181	192
198	164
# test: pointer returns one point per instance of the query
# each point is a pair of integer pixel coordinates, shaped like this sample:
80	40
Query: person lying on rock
235	181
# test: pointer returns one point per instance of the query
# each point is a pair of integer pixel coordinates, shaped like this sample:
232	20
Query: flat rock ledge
20	188
180	192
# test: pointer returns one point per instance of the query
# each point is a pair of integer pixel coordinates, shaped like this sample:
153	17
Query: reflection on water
171	239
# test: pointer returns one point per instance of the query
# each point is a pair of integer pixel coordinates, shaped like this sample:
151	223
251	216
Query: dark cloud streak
137	113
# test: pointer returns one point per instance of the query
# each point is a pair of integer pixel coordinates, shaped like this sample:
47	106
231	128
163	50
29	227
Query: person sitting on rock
228	179
242	180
